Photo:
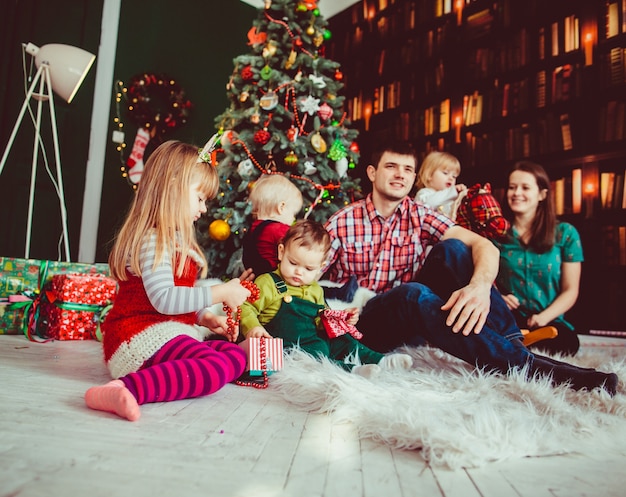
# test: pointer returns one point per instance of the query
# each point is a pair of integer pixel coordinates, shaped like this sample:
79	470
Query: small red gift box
74	305
335	323
273	355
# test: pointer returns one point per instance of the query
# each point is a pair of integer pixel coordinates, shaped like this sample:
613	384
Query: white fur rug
459	417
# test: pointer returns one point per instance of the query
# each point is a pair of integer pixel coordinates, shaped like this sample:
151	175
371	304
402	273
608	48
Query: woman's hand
512	302
258	332
536	321
218	324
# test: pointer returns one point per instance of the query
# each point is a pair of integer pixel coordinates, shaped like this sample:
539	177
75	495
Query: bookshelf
496	81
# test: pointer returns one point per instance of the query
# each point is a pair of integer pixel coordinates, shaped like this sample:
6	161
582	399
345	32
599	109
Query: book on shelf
607	185
559	196
555	39
444	116
577	190
612	19
540	100
571	33
622	245
618	191
617	65
566	132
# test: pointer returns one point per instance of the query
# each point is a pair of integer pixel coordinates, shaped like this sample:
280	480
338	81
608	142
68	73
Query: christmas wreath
157	102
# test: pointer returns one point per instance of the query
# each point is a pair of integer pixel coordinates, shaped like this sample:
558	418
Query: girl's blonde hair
269	191
161	206
434	161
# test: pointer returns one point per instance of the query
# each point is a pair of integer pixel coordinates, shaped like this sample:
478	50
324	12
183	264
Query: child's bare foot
113	397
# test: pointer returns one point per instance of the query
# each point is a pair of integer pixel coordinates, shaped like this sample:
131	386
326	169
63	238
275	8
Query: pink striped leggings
185	368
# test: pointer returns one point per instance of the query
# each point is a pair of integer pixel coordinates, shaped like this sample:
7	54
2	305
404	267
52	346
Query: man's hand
469	307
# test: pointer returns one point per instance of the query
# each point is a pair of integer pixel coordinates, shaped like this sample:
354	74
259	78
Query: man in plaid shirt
433	279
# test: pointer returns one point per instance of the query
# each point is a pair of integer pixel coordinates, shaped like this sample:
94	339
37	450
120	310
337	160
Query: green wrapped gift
21	281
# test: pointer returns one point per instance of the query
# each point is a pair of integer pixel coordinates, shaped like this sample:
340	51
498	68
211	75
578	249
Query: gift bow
336	324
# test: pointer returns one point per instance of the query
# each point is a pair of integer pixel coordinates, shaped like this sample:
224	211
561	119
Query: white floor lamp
60	68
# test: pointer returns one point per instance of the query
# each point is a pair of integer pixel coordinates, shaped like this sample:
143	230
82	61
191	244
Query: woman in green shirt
540	259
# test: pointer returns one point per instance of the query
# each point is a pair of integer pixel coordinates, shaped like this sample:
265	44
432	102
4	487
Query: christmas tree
285	117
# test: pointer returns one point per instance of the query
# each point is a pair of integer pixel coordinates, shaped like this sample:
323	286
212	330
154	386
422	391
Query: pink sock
113	397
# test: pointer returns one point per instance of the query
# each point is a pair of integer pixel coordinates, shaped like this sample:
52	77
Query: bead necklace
233	322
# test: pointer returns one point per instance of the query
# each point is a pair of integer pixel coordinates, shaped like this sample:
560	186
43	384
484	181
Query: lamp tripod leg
57	158
33	171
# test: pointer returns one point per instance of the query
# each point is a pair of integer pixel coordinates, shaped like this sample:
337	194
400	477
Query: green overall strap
281	286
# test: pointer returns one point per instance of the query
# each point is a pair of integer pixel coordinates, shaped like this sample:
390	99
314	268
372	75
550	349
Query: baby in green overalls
291	301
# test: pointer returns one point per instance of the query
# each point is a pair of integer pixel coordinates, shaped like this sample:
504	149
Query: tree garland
156	104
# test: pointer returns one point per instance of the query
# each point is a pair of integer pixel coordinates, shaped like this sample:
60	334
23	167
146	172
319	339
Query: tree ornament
341	166
256	37
318	39
325	111
269	100
247	73
291	60
268	4
309	104
266	72
219	230
318	81
309	166
318	143
310	30
327	34
244	96
354	147
291	159
270	167
337	150
245	168
292	134
262	136
338	75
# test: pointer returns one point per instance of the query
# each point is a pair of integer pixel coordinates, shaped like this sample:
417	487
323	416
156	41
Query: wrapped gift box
23	279
74	305
273	354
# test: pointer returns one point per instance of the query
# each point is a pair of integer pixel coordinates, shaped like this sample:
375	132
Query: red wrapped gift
273	355
335	323
75	304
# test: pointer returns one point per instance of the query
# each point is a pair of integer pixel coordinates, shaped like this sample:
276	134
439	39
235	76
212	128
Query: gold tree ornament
219	230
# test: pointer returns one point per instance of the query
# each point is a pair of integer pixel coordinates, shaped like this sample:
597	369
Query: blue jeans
411	314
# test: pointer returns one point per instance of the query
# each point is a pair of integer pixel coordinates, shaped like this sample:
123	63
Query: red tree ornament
262	136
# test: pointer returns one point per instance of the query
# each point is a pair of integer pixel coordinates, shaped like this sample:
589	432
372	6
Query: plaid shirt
382	253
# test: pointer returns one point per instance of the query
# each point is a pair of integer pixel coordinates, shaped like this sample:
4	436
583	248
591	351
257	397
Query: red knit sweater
127	340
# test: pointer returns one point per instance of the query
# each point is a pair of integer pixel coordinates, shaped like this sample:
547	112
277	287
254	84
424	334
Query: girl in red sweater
153	346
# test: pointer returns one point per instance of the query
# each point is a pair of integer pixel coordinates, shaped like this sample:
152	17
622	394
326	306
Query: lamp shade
68	66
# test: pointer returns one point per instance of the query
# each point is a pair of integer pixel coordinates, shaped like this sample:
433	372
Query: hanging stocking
135	160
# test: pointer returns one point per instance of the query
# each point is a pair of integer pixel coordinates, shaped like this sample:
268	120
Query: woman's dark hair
543	228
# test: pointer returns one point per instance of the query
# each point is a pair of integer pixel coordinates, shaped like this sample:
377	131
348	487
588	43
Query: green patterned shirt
535	279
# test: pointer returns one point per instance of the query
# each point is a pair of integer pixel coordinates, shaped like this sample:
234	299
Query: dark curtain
193	42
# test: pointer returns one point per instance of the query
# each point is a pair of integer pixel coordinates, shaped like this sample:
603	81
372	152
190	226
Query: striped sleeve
161	290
